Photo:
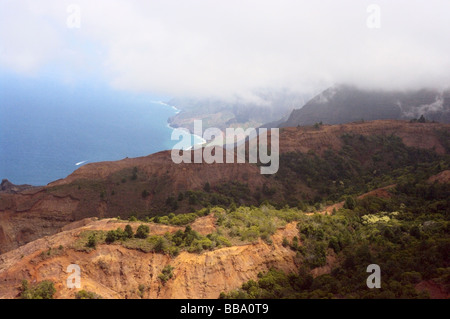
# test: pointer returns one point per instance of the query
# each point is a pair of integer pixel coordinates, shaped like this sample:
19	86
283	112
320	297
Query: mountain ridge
344	104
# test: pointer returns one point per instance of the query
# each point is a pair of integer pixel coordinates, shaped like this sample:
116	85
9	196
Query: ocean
49	129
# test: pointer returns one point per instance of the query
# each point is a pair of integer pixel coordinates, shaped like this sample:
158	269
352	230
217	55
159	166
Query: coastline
177	110
200	139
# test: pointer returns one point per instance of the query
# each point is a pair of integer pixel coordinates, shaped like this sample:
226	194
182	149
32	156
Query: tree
207	187
128	231
142	231
110	237
350	203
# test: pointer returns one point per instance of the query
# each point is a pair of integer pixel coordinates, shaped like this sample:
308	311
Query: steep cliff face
113	271
32	214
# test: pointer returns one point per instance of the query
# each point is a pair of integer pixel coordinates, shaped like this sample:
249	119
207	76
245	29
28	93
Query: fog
229	48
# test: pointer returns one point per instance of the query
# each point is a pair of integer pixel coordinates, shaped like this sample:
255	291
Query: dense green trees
363	163
407	235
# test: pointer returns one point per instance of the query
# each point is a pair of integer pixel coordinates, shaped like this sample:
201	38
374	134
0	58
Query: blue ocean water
47	127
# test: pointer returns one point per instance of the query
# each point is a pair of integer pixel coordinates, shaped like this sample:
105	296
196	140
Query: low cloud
232	48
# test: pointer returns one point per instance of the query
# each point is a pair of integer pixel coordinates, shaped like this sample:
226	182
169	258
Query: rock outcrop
113	271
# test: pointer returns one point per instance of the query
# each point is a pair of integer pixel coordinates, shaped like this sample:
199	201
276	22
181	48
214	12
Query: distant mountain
344	104
266	106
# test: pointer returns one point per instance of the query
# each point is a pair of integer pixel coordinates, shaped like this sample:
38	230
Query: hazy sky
224	48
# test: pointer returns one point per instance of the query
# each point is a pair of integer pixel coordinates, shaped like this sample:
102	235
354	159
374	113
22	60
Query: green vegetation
51	252
239	225
180	219
128	232
166	274
43	290
250	223
364	163
141	290
142	231
84	294
88	238
113	235
406	232
407	235
92	242
220	195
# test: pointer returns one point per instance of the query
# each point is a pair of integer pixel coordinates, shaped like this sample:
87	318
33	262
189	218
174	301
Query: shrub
142	231
161	246
166	274
42	290
110	237
141	289
113	235
83	294
128	231
92	241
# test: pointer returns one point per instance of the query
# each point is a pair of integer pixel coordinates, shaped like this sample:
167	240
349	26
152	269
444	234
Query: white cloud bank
224	48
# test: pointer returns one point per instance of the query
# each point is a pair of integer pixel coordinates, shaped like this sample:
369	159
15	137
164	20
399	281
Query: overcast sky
224	48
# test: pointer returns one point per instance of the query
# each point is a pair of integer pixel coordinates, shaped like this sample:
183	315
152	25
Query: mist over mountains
264	106
338	104
343	104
